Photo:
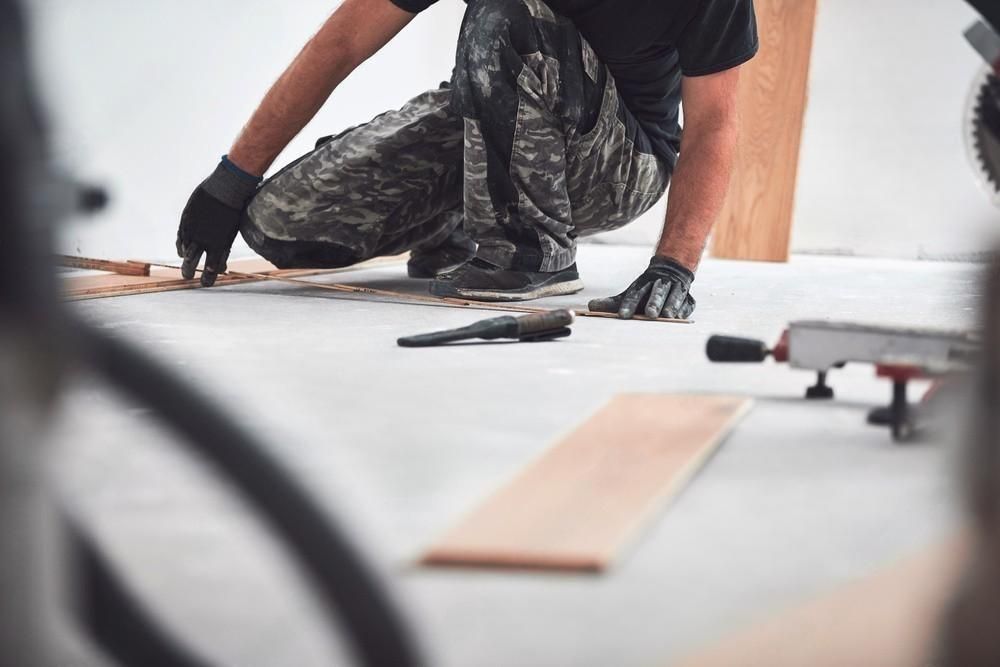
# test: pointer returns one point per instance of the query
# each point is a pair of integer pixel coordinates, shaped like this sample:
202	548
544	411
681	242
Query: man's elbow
721	128
335	48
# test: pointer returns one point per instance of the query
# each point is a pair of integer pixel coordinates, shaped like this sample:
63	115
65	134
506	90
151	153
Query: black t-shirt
649	44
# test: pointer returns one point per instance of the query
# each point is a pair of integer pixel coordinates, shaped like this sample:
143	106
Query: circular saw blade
983	131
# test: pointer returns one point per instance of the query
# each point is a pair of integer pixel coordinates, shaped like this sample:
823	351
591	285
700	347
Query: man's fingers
657	297
208	278
215	263
192	257
609	304
632	299
688	309
675	304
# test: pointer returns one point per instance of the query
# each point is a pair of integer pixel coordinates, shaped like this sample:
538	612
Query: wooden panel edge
684	478
454	558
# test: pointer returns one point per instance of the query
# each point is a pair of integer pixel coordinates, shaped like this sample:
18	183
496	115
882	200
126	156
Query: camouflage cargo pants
526	150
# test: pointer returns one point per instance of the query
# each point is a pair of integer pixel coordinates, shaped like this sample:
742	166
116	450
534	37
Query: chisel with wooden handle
530	328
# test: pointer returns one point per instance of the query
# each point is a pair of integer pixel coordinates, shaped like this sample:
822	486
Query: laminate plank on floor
577	506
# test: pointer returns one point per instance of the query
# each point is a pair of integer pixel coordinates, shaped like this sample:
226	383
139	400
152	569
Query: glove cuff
671	264
231	185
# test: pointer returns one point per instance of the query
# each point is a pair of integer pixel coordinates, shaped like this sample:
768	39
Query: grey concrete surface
399	443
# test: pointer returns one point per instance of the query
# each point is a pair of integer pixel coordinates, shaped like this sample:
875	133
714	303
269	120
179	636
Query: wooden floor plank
756	223
888	619
581	503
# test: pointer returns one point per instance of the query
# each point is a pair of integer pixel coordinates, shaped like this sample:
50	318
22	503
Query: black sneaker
432	262
481	281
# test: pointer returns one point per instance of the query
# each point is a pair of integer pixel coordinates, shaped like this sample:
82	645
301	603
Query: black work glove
664	290
211	220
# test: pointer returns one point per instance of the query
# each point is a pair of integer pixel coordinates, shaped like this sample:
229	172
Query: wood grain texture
888	619
578	505
166	280
128	268
756	223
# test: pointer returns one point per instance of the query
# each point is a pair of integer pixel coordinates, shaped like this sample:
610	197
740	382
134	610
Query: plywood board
888	619
165	280
578	505
756	223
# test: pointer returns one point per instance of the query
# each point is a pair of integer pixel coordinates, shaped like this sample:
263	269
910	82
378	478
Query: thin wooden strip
169	279
756	223
128	268
578	505
404	297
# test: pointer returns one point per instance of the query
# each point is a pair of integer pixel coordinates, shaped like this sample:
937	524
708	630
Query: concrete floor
399	443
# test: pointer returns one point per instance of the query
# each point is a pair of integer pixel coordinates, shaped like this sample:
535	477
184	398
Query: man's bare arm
703	172
696	199
355	31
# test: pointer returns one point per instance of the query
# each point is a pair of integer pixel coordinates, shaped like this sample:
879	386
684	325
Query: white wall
884	170
147	95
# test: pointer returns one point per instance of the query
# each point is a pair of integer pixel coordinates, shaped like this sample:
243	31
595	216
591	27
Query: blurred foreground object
39	345
31	367
970	638
886	619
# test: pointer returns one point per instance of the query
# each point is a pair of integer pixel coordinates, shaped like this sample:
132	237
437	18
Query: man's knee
492	25
285	237
513	9
297	254
496	34
487	17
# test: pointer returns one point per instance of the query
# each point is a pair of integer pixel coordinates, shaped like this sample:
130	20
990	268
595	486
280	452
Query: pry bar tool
532	328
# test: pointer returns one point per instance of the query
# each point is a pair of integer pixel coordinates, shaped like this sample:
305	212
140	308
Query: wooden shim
128	268
756	223
888	619
578	505
166	280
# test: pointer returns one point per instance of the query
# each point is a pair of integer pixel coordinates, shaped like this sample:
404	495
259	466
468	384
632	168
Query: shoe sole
561	288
